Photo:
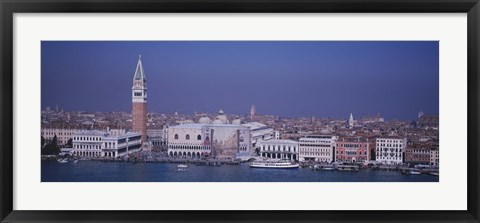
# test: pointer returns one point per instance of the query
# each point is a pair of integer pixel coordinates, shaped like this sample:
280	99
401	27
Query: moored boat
63	160
411	172
182	166
274	164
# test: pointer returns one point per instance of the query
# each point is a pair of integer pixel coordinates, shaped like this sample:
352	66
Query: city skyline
285	79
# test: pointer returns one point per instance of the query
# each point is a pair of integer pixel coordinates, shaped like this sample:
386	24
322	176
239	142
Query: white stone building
259	132
390	150
199	140
279	149
318	148
94	143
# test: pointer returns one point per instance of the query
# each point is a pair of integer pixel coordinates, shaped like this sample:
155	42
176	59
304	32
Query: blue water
95	171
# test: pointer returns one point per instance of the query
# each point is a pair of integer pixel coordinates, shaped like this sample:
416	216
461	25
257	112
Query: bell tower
139	101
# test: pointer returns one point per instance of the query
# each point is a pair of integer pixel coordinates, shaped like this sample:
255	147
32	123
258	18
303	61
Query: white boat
411	172
75	161
182	166
274	164
63	160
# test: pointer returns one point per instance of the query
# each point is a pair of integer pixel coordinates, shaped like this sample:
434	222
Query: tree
51	148
69	143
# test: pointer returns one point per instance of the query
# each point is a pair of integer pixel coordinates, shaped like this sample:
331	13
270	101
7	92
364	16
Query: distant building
319	148
94	143
353	149
139	101
279	149
372	119
157	136
428	121
63	135
277	135
434	157
390	150
351	122
253	110
418	154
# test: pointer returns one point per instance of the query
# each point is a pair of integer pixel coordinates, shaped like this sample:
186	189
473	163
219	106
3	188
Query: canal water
96	171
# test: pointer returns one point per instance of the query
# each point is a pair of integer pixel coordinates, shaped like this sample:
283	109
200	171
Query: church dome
218	121
204	120
236	122
221	112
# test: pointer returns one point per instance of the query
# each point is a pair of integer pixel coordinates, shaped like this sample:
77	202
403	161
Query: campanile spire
139	101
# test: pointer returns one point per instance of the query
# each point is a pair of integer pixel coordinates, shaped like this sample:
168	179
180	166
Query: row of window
351	153
187	137
391	154
390	140
58	133
315	154
87	138
313	145
278	148
389	145
87	147
189	147
351	145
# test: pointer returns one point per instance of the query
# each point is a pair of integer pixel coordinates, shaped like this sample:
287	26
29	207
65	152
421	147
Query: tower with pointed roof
139	101
351	122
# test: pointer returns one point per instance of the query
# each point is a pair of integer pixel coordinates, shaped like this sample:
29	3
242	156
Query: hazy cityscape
252	143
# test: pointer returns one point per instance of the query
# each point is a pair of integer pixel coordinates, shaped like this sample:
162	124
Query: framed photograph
259	111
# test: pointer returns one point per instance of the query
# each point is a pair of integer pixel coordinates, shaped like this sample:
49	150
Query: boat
434	173
328	168
411	172
182	166
75	161
63	160
274	164
347	168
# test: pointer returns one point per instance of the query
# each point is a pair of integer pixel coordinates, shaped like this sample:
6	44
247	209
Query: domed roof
221	112
218	121
236	122
204	120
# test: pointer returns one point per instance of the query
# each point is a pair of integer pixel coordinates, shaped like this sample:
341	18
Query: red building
418	154
353	149
139	101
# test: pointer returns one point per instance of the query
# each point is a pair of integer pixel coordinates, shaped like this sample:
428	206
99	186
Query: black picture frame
9	7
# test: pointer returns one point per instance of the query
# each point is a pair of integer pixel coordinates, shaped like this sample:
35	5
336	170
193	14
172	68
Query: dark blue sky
285	78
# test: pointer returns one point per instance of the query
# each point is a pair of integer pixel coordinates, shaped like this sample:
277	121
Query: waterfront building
418	154
353	149
95	143
259	132
63	135
139	101
319	148
390	150
434	156
198	140
157	136
279	149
